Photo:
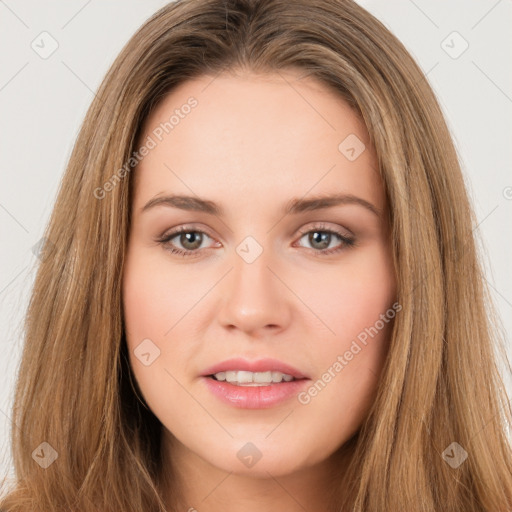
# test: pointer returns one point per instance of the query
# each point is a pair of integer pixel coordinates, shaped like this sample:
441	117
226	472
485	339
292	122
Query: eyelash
347	242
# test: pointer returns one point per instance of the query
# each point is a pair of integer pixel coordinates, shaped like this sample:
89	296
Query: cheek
359	313
351	296
151	308
154	296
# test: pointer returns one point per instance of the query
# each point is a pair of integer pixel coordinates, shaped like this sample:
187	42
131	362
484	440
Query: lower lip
255	397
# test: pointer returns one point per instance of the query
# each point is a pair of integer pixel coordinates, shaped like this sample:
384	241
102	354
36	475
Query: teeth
244	378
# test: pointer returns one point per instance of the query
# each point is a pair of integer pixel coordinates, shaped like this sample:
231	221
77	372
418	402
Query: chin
261	459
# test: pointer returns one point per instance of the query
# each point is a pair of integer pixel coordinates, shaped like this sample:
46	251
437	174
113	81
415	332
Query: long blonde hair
440	384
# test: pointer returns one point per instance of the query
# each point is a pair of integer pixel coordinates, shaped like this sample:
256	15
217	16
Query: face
257	333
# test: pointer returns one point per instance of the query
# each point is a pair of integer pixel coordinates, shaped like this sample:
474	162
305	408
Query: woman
260	285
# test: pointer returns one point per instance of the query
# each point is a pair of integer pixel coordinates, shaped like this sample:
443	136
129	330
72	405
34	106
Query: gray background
43	101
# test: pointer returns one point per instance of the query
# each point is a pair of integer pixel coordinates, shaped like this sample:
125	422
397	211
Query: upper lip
260	365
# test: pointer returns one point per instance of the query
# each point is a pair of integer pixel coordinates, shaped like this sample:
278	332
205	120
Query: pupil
323	239
188	238
318	239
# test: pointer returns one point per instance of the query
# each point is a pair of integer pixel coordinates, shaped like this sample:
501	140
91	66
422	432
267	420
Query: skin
252	144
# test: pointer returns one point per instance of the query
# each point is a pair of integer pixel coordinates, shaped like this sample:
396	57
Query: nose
255	300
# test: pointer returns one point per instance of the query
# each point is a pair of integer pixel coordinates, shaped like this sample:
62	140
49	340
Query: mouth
254	384
246	378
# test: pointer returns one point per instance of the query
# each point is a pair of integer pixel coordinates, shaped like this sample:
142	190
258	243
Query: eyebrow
294	206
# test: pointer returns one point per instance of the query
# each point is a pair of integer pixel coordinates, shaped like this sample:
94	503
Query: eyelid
171	232
347	238
319	225
323	226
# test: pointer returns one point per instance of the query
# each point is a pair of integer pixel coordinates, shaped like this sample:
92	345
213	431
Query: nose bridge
254	297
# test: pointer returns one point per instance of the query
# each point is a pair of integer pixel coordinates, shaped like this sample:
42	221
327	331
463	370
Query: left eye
319	238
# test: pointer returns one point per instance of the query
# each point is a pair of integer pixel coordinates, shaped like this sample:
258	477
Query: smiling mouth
246	378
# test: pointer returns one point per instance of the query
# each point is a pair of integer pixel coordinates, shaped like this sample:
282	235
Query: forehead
251	135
